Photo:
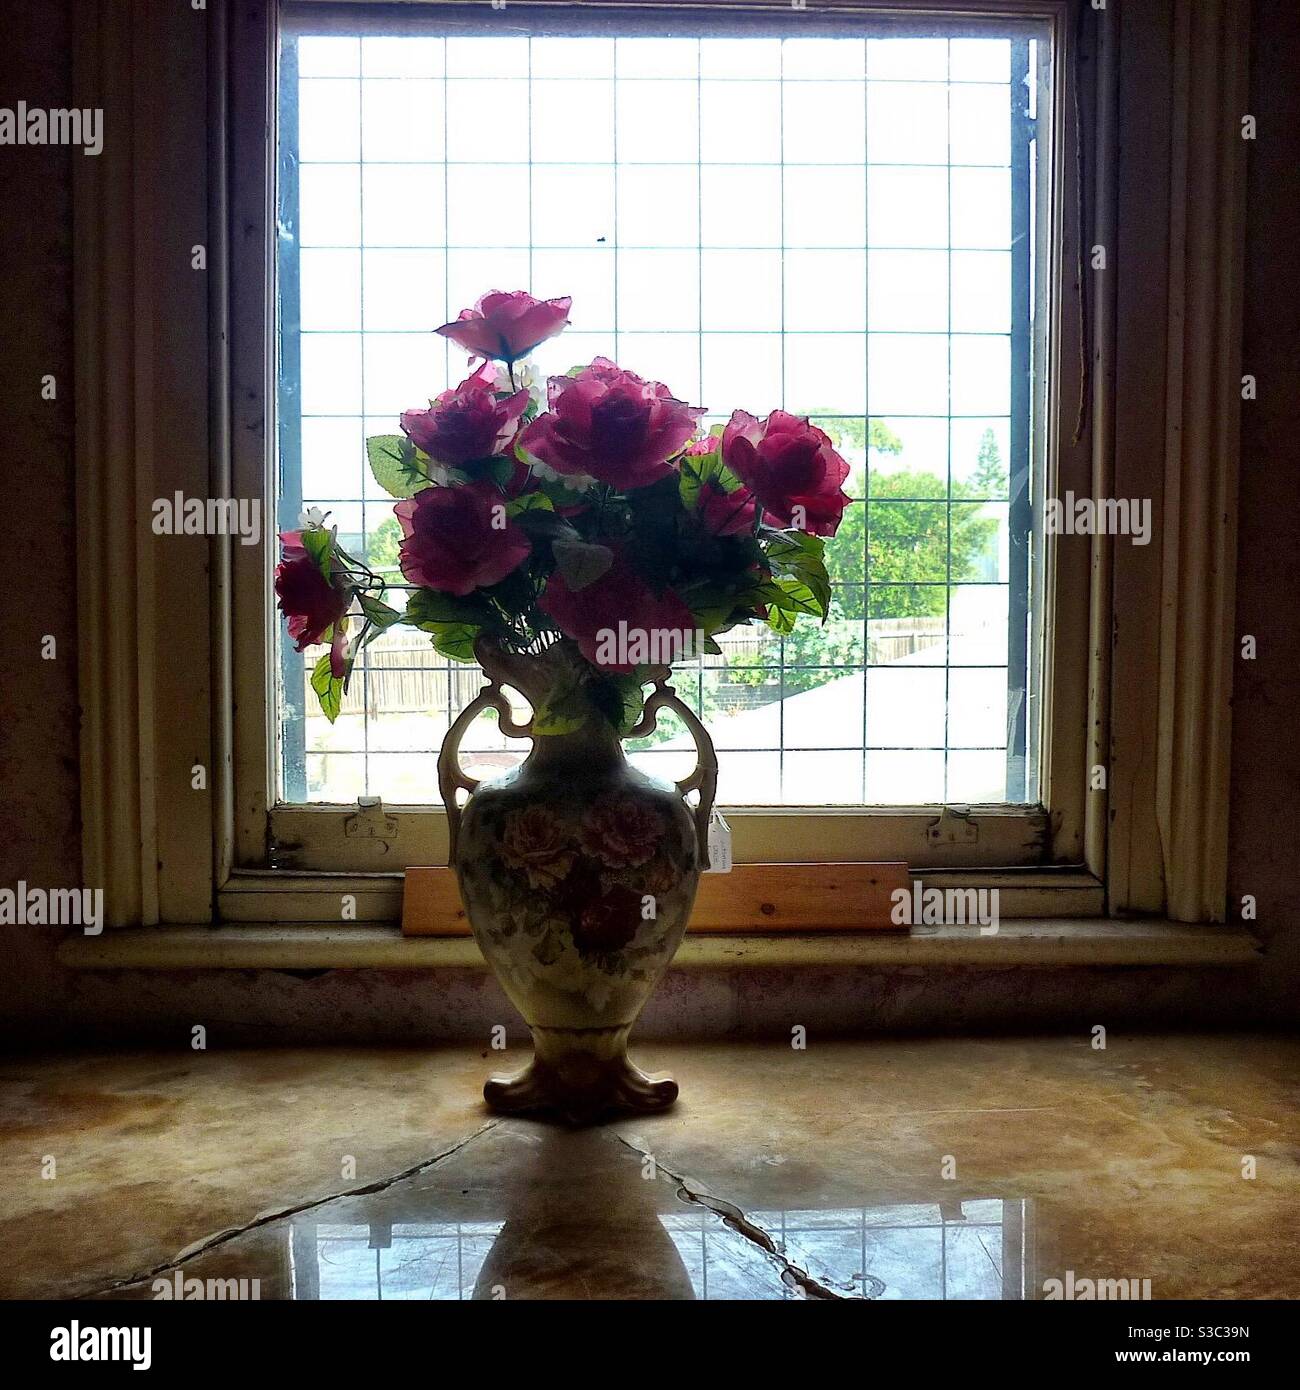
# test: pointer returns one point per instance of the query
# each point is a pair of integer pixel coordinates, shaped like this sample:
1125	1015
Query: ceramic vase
578	873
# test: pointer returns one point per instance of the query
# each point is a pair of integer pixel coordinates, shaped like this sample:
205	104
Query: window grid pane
822	225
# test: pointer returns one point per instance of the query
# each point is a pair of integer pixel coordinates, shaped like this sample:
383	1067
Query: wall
39	715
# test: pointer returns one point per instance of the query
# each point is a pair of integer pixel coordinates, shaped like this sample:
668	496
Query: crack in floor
791	1275
220	1238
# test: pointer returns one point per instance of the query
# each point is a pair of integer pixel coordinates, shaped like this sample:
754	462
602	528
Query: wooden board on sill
751	898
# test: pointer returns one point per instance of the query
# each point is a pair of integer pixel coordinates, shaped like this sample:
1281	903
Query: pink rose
455	540
788	463
310	602
591	614
621	832
507	326
466	423
725	513
535	841
611	425
291	546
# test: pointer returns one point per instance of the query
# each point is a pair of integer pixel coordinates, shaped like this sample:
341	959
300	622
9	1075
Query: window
1132	390
841	220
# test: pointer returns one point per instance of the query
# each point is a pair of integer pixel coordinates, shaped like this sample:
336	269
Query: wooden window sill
1034	942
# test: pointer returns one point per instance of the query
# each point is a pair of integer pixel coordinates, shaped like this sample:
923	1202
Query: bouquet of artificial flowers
597	514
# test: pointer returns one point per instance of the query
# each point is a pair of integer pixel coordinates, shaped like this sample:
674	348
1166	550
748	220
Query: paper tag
719	845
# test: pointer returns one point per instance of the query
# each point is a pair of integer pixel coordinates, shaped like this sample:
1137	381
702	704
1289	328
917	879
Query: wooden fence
405	675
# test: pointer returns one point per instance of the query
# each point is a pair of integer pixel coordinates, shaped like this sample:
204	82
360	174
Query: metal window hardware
371	822
954	827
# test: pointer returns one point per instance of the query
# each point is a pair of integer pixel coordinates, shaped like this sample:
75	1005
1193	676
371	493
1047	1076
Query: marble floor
979	1169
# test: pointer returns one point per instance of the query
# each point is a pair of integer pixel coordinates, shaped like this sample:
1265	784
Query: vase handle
451	777
704	778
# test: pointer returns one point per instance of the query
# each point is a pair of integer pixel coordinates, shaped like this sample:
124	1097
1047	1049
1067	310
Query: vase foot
582	1075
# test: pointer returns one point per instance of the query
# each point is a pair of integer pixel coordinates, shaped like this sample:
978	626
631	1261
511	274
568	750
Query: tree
990	477
903	548
381	549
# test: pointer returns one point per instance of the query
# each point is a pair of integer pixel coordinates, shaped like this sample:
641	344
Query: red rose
507	326
788	463
611	425
725	513
456	540
592	615
310	602
608	922
621	832
467	422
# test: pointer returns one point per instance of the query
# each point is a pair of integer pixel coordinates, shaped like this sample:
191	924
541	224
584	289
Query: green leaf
453	623
786	597
779	620
798	556
328	688
697	469
495	469
712	606
426	606
581	563
620	698
394	465
379	617
454	640
540	522
565	707
529	502
379	613
560	713
318	543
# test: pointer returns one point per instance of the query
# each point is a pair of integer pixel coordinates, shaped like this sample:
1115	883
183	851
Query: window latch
954	827
371	822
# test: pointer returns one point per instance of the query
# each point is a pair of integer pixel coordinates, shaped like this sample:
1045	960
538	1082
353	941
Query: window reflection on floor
972	1249
409	1260
958	1250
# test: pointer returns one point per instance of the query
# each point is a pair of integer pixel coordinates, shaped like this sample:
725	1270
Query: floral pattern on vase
578	874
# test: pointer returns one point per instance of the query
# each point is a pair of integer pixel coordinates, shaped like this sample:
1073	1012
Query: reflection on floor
975	1251
891	1170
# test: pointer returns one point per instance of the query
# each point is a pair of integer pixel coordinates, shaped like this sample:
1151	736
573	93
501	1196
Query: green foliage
318	543
906	546
580	562
398	466
328	687
382	547
990	479
529	502
855	433
453	623
619	698
698	469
